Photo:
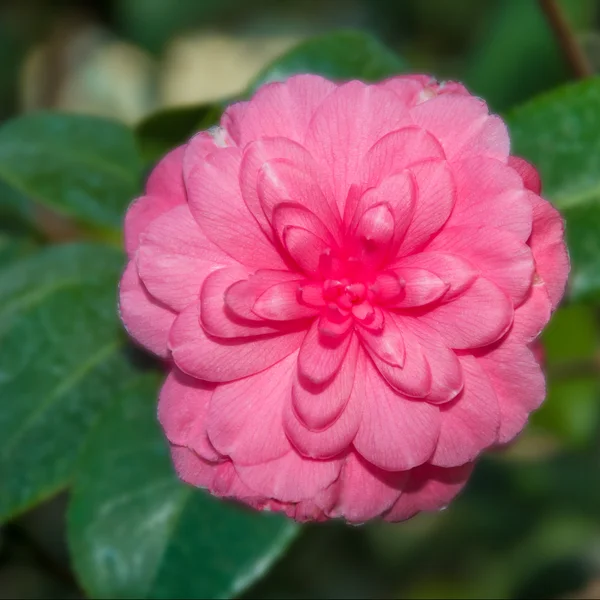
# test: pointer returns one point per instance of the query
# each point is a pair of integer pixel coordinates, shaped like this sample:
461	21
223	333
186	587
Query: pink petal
305	248
245	417
533	315
518	382
498	255
175	257
375	234
164	190
364	491
389	155
197	149
215	316
471	422
446	372
420	287
407	87
490	192
549	249
435	201
146	320
320	356
220	360
337	436
281	181
462	124
191	468
478	317
455	272
182	411
292	214
429	488
279	109
395	433
397	194
280	303
260	152
414	378
216	203
318	406
528	173
387	344
388	287
345	126
291	478
241	296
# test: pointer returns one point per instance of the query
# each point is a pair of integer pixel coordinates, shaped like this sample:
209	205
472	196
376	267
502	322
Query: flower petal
429	488
191	468
217	205
291	478
320	356
470	423
146	320
395	433
528	173
221	360
244	416
175	257
478	317
182	411
420	287
387	344
280	303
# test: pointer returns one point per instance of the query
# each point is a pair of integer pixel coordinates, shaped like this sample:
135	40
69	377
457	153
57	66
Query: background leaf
338	55
136	531
85	168
559	133
63	358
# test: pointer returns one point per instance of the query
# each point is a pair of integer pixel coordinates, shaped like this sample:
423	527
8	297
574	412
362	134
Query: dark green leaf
63	359
136	531
339	55
517	55
559	132
84	168
166	129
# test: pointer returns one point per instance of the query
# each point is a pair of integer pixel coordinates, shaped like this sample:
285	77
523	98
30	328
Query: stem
565	35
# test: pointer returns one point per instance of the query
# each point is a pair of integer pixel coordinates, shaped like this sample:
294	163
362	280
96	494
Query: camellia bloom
346	281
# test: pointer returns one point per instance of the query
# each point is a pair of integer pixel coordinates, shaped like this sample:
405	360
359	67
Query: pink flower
347	280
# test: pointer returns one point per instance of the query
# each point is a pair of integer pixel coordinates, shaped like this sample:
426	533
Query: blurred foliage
78	410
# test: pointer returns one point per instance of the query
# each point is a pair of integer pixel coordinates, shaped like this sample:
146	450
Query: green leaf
84	168
559	133
339	55
136	531
166	129
516	55
63	358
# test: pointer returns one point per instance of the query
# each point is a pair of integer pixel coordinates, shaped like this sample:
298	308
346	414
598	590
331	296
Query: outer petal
528	173
291	478
428	489
364	491
518	382
346	124
498	255
479	316
191	468
175	257
396	433
489	192
164	191
216	203
471	422
279	109
549	249
244	417
220	360
182	411
146	320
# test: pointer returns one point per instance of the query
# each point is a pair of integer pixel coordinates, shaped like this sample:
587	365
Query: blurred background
528	524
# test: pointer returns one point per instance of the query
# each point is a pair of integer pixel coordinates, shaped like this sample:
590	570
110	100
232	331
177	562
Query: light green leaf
84	168
136	531
559	133
62	360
